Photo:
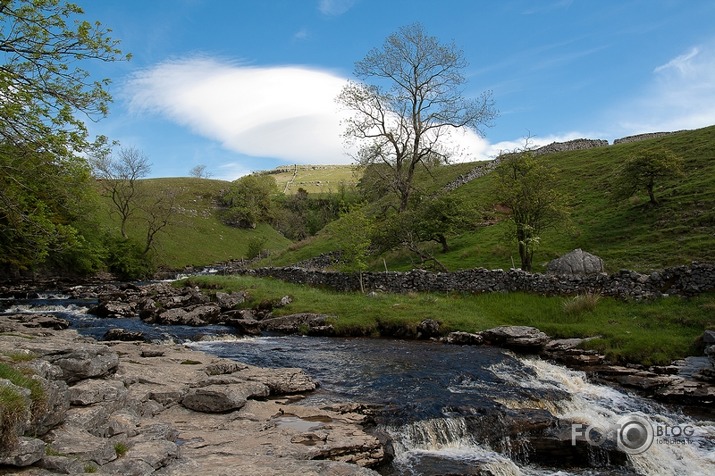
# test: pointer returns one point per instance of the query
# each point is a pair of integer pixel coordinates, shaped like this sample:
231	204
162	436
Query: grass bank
656	332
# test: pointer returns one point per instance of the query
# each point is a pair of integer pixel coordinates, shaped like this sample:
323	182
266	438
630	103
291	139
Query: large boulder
576	262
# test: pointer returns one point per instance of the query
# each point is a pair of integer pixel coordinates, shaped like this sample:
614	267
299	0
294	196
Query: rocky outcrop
138	408
522	338
576	262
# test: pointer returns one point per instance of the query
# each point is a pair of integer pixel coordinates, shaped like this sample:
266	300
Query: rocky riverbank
135	408
689	381
127	406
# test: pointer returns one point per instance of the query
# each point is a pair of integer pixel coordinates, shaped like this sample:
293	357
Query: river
457	410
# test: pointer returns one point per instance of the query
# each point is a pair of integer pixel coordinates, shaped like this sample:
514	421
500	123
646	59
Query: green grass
654	332
14	405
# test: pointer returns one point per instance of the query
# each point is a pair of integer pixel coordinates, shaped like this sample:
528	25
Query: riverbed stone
228	302
84	361
25	452
464	338
294	323
123	334
428	328
91	391
222	398
73	441
523	338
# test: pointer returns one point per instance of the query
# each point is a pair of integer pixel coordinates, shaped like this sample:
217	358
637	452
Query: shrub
120	449
581	303
255	247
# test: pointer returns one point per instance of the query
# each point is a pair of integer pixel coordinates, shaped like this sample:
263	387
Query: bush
127	260
255	247
581	303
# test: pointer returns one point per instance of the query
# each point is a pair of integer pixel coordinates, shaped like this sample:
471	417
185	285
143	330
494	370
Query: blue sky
246	85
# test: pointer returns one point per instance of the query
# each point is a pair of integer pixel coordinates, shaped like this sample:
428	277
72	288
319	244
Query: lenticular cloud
285	112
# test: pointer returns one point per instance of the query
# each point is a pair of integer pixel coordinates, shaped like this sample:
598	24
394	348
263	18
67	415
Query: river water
449	410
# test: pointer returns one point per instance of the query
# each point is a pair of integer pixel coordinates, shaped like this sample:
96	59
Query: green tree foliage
353	235
43	205
249	201
644	170
413	99
46	96
301	215
432	219
525	187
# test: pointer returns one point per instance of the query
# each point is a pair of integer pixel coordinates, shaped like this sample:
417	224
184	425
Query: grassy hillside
625	233
195	237
315	178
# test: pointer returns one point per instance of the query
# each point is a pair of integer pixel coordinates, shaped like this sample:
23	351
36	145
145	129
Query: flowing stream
455	410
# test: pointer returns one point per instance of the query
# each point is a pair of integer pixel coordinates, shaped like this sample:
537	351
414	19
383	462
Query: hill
625	233
195	236
314	178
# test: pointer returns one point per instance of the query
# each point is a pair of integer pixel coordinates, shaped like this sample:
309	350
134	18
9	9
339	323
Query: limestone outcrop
137	408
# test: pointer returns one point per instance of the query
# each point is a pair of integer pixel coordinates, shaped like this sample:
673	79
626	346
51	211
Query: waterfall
445	442
679	445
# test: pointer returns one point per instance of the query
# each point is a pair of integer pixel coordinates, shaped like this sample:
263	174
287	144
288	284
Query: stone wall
576	144
640	137
688	280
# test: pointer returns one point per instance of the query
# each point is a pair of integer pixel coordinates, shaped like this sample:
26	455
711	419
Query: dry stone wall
576	144
687	280
640	137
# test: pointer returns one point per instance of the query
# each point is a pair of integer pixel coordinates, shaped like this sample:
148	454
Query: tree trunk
442	240
653	201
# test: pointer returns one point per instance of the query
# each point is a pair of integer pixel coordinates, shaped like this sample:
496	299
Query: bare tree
119	177
158	214
199	171
417	97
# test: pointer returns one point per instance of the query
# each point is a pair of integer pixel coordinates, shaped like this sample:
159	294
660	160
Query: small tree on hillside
525	186
416	97
643	170
249	201
353	234
199	171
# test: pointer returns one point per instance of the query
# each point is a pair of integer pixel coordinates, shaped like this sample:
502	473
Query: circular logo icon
635	434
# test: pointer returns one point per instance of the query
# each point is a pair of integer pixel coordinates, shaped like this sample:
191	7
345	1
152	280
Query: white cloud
335	7
281	112
284	112
682	64
681	95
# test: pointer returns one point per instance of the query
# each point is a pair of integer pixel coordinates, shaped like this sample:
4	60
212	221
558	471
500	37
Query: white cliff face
138	408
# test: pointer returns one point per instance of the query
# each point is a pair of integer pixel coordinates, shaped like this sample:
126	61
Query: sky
246	85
